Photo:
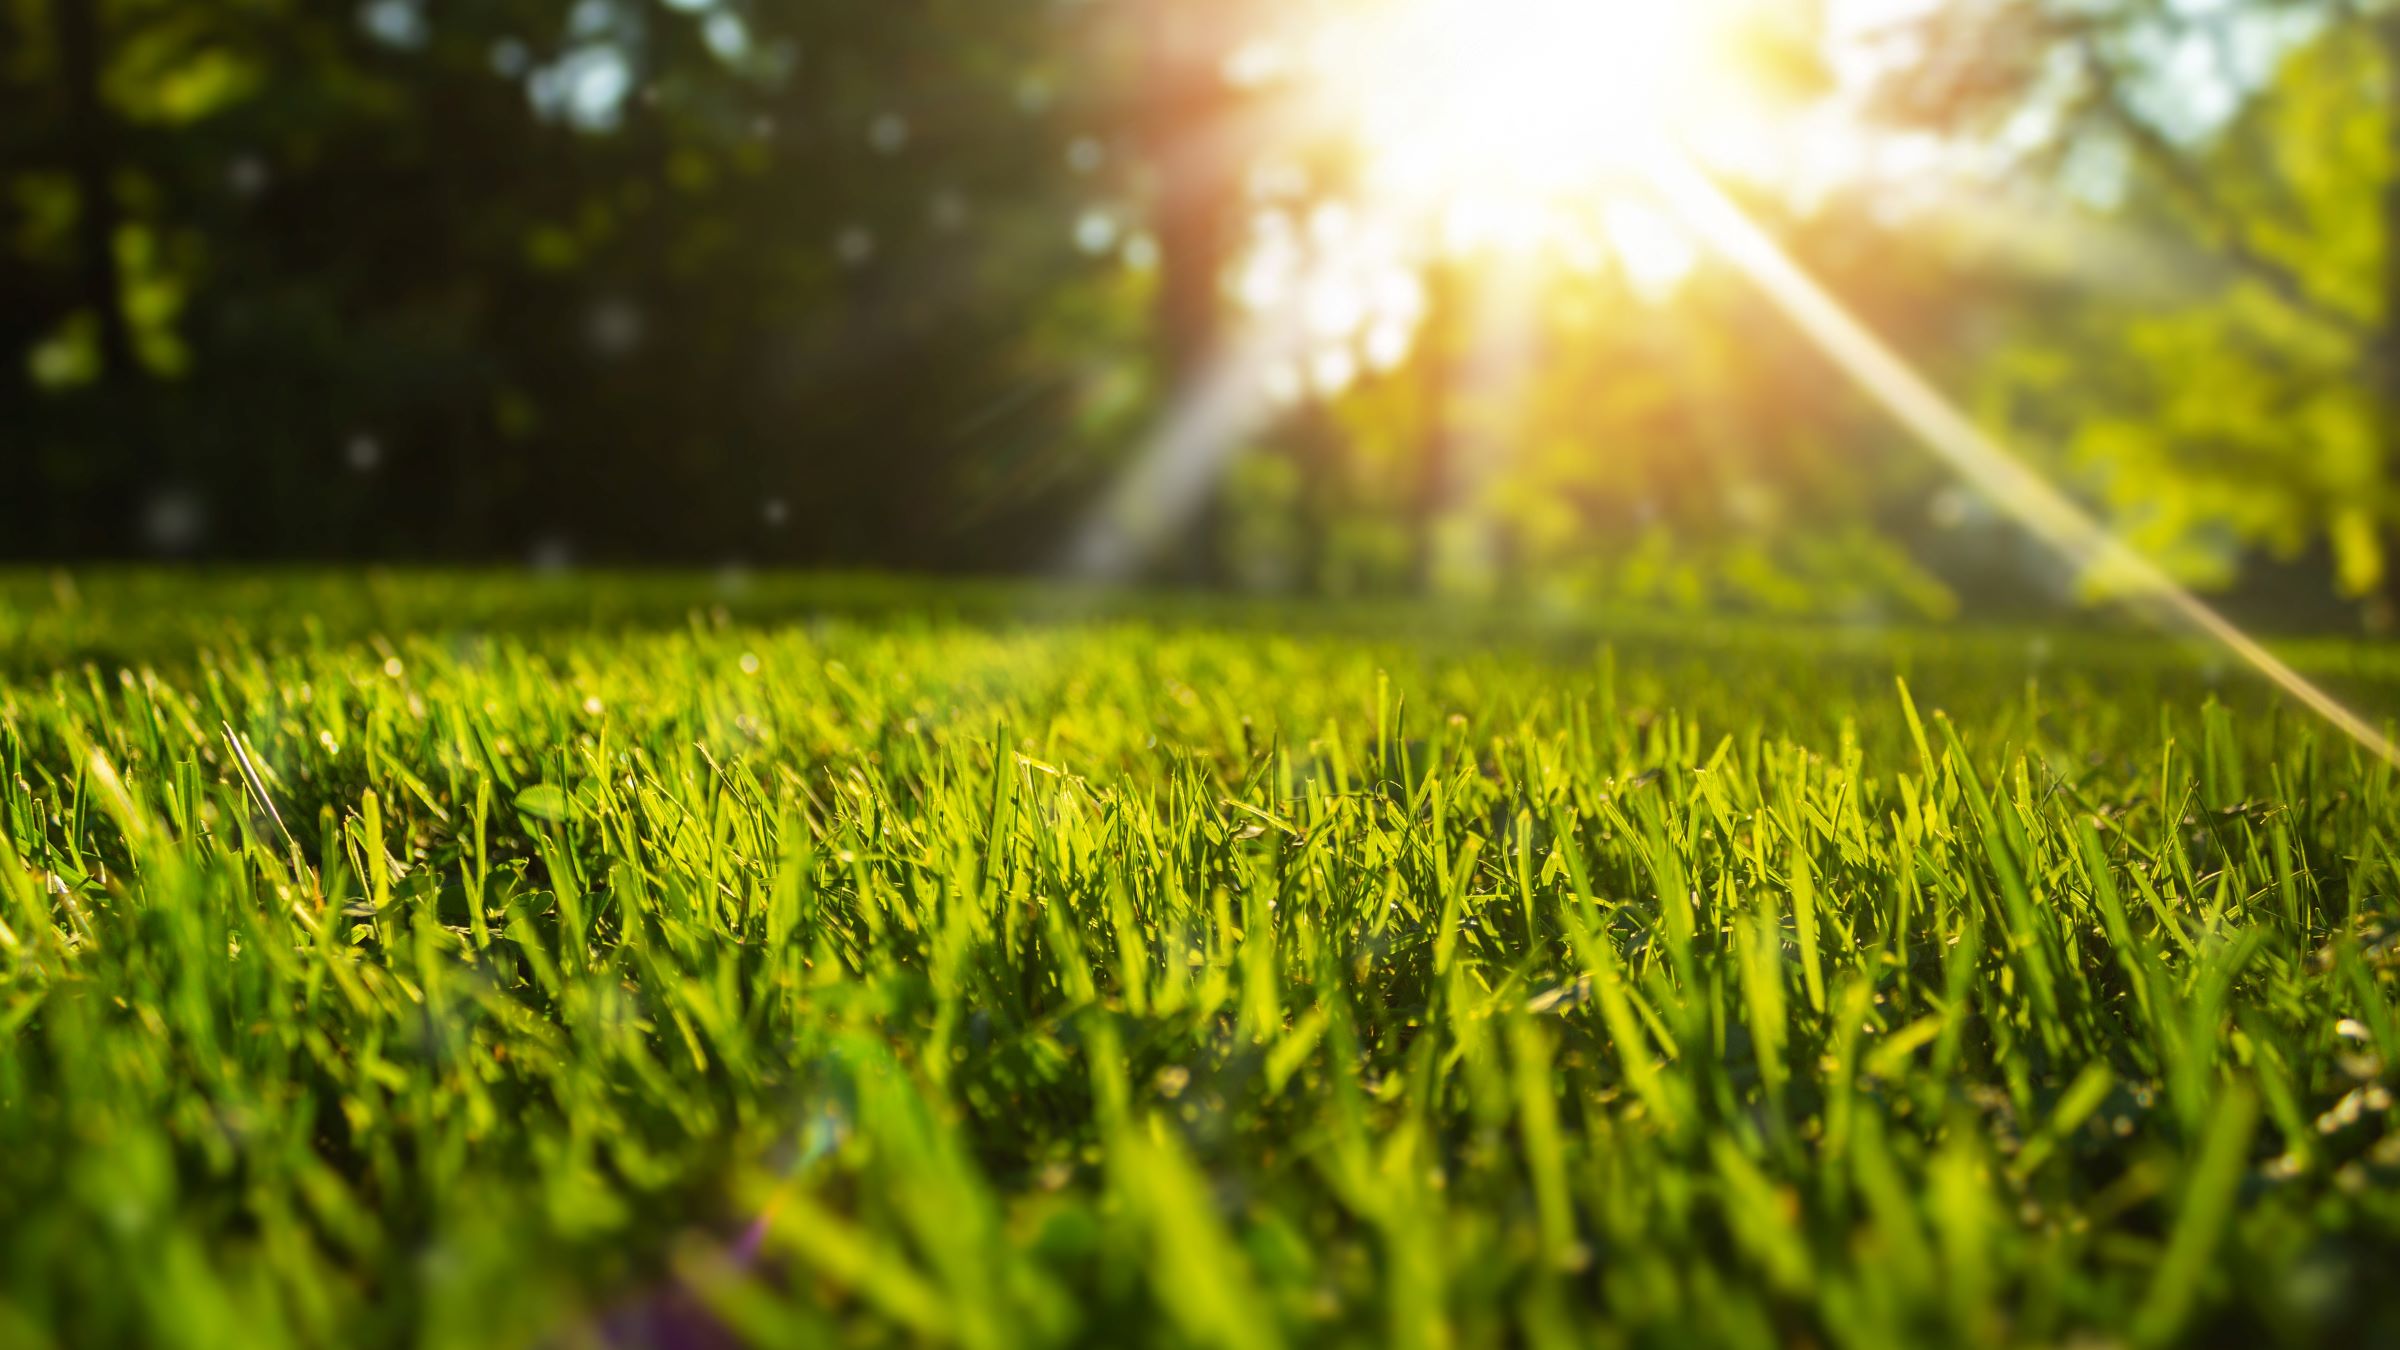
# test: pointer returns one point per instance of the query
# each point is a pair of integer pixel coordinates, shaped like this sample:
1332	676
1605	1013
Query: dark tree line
591	278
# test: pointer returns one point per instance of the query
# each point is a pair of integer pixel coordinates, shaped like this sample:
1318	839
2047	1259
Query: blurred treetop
906	284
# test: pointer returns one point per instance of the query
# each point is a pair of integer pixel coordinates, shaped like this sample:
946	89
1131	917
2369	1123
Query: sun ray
1511	115
2015	488
1168	477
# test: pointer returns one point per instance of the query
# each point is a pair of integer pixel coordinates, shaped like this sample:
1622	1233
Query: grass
483	963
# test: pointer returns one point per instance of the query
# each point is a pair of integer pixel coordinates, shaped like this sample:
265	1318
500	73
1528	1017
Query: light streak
1162	490
2049	514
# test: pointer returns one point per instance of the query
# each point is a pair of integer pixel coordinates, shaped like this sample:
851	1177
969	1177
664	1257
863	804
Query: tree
90	153
1193	136
2242	387
700	281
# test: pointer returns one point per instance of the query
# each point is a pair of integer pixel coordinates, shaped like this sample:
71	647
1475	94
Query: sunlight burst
1489	118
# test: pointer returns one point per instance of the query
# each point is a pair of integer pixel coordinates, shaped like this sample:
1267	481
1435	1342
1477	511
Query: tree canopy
912	284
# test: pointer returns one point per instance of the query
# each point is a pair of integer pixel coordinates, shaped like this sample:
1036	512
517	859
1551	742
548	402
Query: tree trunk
130	467
1437	376
1186	127
2384	352
91	160
1317	448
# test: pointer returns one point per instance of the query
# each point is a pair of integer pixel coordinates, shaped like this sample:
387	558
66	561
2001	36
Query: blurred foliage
610	276
2232	385
907	285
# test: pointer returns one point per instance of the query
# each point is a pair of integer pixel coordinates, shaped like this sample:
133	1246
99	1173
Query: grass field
450	962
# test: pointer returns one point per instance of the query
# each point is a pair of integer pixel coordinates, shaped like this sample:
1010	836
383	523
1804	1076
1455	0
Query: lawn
456	962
